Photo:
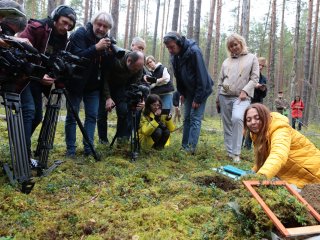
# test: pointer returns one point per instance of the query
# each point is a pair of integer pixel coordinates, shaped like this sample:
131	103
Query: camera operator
11	23
137	44
48	36
124	72
89	42
155	127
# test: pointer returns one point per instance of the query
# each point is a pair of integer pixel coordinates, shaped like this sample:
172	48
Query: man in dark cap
11	21
48	36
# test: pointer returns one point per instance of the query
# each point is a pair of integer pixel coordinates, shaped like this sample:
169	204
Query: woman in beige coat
238	78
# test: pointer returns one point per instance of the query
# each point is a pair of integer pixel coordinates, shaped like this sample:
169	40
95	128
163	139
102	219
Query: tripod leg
135	145
17	143
83	131
49	127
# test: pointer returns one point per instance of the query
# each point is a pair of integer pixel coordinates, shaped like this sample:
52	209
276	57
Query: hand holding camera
103	44
151	79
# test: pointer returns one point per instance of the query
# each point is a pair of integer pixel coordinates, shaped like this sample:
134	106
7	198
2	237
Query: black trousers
160	136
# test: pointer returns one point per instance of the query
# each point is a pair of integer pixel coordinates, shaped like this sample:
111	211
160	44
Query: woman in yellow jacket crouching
279	149
155	126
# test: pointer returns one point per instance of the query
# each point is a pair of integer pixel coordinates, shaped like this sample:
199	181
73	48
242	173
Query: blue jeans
91	104
166	101
192	124
299	120
31	103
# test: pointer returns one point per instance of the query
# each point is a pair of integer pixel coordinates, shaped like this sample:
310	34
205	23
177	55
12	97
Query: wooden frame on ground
287	232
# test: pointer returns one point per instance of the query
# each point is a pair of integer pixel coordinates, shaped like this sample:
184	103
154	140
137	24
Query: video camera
117	51
64	66
136	93
16	62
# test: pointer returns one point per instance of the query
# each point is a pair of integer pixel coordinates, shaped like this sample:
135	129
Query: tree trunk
279	84
316	75
272	53
217	40
197	23
145	18
126	32
155	33
166	29
51	5
307	49
237	23
261	45
115	16
136	19
209	35
296	52
175	17
190	19
180	18
162	30
312	77
245	16
86	12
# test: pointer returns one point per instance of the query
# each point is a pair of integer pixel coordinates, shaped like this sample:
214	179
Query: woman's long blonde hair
260	140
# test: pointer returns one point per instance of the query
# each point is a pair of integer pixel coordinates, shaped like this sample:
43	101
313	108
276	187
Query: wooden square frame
287	232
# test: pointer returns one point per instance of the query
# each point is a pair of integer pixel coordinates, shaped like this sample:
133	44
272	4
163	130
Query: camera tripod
20	172
49	126
134	136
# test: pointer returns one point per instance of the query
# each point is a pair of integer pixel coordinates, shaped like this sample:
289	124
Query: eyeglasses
155	105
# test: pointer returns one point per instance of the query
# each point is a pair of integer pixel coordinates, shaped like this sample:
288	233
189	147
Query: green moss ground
163	195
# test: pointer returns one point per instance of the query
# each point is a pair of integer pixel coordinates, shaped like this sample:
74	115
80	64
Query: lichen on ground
162	195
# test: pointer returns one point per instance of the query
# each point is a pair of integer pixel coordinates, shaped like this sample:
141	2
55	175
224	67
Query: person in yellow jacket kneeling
281	151
155	125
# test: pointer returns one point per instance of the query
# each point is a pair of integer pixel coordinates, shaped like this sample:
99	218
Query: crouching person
155	128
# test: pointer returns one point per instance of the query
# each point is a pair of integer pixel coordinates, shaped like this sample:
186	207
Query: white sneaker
236	158
34	163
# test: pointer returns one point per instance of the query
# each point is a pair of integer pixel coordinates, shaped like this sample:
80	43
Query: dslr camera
136	93
117	51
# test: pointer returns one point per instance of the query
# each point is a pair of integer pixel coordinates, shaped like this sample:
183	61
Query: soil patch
311	193
222	182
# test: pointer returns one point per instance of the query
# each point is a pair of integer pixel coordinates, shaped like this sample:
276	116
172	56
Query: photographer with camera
137	44
155	127
90	42
48	36
123	72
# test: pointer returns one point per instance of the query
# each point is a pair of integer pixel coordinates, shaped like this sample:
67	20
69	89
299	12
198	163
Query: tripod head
64	66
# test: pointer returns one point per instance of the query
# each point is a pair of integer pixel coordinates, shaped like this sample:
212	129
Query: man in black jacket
89	42
193	83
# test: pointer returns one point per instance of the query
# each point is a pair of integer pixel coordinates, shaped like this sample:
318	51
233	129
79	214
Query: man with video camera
90	42
137	44
48	36
124	71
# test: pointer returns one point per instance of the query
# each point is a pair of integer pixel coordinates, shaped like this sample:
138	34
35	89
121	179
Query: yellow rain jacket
293	158
148	125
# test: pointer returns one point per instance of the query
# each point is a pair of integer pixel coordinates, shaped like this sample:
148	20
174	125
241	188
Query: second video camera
136	93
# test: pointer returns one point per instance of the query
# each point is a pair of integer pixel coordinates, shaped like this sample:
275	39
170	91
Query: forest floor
162	195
